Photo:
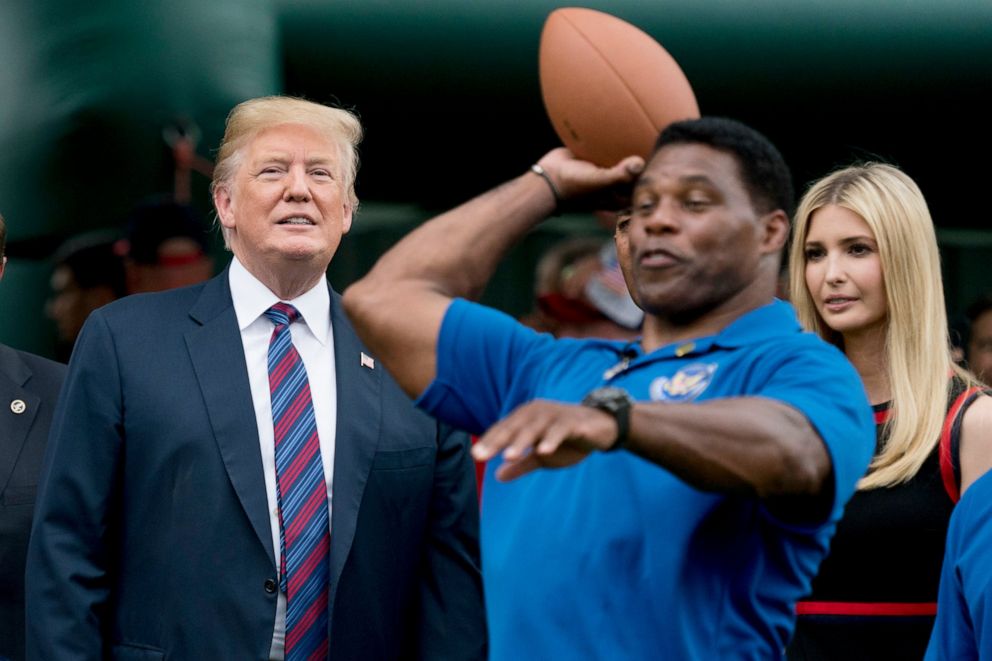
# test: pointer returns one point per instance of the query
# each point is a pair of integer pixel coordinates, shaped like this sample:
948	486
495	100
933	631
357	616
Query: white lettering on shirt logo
685	385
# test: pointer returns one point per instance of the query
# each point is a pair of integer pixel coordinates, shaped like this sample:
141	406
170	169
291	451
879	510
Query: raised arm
398	307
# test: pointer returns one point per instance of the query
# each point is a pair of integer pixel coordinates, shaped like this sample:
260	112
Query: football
609	88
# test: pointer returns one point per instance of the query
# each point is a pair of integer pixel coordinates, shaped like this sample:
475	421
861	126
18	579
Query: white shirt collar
252	299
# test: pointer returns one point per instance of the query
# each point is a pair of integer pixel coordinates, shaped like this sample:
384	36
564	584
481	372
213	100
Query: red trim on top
883	415
480	472
951	485
180	260
865	608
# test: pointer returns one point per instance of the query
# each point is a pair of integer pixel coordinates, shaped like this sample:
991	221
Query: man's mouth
657	258
296	220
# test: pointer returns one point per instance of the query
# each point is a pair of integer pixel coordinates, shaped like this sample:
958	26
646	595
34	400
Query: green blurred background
449	94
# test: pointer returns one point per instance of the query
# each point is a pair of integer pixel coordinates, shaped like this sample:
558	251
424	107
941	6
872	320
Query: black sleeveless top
876	592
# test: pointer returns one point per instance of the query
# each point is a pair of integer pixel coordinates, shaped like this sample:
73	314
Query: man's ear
224	205
3	264
775	231
346	220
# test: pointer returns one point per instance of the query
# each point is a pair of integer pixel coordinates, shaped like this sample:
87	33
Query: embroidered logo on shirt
685	385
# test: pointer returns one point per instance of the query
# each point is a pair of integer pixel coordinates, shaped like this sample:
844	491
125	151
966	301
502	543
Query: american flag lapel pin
368	361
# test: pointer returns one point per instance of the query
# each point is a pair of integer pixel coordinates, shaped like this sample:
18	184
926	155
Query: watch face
610	397
617	403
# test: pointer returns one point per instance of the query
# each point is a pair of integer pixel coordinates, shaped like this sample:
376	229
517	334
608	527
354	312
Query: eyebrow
845	240
285	157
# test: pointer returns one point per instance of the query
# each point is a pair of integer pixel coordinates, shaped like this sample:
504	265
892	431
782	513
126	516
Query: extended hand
544	434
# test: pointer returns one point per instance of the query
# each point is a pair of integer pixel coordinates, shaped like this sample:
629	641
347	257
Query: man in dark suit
29	387
173	523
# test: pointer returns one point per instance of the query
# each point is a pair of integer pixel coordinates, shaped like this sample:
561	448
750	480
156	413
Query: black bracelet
541	172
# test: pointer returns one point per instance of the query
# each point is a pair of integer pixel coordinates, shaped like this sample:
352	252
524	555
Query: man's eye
645	208
696	204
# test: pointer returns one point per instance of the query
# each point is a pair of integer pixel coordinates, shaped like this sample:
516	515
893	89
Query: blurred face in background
70	304
980	347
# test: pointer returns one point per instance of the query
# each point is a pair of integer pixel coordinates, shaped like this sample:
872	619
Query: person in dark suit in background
29	388
202	433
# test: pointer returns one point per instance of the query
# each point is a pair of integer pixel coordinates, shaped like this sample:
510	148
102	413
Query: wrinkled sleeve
487	363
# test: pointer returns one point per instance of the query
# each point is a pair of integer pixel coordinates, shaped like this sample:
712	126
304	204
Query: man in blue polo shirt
963	630
701	468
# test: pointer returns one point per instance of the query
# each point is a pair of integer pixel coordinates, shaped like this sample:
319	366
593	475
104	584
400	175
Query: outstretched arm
747	444
398	307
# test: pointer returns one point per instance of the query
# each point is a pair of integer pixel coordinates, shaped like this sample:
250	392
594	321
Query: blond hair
918	358
250	117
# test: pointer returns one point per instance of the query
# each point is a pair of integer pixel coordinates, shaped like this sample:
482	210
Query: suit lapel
357	435
218	359
14	427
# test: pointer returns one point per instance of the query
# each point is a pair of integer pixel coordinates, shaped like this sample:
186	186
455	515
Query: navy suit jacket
152	537
29	388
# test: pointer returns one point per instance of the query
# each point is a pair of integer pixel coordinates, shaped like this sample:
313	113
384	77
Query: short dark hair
93	261
763	170
155	220
978	307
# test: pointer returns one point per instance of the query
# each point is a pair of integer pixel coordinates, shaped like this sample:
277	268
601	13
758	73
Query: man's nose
297	185
663	218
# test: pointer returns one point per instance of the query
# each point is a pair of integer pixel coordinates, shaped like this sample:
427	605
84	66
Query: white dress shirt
314	340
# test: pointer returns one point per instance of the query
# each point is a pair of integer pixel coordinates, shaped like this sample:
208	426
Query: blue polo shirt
963	629
615	557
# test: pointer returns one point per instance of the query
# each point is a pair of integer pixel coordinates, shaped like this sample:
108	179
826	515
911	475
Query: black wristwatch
617	403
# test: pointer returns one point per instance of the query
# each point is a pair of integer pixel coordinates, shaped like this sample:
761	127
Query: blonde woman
865	275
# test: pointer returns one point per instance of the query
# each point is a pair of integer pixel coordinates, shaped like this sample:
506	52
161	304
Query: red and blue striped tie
304	536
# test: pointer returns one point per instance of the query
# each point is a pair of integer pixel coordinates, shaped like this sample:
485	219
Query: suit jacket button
270	585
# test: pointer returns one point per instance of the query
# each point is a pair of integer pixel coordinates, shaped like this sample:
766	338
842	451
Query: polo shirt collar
776	319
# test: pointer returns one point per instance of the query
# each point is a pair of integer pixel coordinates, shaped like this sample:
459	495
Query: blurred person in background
165	246
978	352
88	274
580	292
29	387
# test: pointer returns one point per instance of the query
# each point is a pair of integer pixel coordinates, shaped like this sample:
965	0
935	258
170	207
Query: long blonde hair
918	359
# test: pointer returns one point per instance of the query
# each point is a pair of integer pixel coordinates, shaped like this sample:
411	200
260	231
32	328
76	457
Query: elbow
804	466
358	300
806	470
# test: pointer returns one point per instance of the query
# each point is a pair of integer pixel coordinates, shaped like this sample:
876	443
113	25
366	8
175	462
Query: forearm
749	445
457	252
398	307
